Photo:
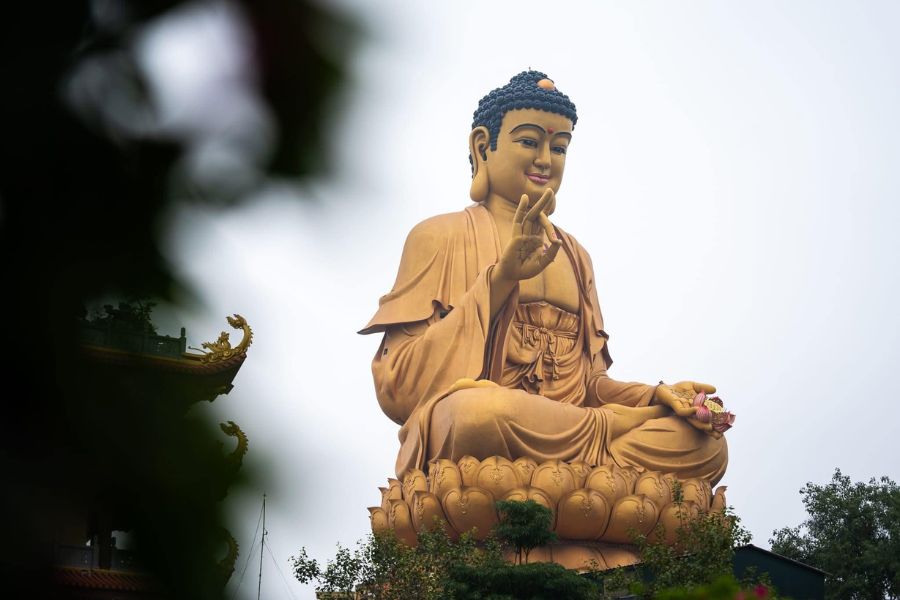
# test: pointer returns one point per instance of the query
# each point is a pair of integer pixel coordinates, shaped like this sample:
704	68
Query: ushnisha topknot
528	89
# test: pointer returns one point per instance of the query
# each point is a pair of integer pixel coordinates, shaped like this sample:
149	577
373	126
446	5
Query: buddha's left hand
680	397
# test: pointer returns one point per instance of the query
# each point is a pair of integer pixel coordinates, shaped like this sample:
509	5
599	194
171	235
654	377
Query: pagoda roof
153	352
160	365
188	363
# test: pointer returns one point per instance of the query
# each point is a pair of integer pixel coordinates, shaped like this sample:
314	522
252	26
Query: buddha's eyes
533	144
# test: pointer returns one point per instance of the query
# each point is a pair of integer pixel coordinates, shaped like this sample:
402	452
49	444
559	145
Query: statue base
597	511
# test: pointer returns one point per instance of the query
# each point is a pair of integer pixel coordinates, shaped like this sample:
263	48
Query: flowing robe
437	330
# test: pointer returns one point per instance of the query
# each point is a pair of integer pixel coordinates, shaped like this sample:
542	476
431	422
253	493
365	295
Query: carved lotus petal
630	474
379	519
471	508
609	481
468	468
582	514
498	475
413	481
532	493
400	520
443	476
427	514
526	466
581	470
674	516
719	503
394	491
697	490
631	512
671	478
655	486
555	477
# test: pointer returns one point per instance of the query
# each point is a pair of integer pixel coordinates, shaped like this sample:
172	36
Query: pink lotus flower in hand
711	410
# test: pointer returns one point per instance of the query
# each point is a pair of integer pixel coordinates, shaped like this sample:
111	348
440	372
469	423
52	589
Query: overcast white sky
734	175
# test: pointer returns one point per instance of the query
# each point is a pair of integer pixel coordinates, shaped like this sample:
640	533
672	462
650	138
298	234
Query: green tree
439	568
703	550
134	314
524	526
385	568
507	582
700	560
852	533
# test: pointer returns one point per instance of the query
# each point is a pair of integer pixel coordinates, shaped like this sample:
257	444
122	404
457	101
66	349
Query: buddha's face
530	155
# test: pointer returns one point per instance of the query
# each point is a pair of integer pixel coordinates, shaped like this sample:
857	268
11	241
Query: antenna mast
262	547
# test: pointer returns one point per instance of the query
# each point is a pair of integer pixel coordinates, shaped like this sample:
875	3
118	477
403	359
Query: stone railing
104	335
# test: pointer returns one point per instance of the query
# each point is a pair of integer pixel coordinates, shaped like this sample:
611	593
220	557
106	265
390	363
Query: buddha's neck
503	212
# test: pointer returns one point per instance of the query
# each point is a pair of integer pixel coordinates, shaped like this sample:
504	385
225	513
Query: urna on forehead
528	89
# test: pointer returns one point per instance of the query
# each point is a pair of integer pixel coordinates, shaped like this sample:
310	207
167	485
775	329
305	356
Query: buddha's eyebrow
539	128
532	125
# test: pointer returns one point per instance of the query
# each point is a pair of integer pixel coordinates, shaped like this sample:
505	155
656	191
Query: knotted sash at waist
545	354
546	342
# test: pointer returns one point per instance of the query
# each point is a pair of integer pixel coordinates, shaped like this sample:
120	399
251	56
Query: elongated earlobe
481	186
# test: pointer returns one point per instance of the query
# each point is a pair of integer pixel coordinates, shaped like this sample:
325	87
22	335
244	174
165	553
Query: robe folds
437	330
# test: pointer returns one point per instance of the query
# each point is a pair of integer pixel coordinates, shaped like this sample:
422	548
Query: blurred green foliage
722	588
81	201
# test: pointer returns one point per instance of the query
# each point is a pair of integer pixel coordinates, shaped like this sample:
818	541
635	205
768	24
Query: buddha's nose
542	160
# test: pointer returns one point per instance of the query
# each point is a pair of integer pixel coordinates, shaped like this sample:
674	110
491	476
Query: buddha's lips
539	179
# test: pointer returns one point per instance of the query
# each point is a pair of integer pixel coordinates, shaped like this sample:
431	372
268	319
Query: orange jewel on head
546	84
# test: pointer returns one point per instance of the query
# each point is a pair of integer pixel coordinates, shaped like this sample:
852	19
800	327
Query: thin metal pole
262	546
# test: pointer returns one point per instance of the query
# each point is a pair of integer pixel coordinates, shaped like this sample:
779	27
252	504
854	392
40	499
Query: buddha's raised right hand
528	253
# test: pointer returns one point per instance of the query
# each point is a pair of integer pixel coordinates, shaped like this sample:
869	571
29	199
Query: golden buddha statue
494	344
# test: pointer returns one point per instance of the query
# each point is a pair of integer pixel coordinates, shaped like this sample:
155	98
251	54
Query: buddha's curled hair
522	91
